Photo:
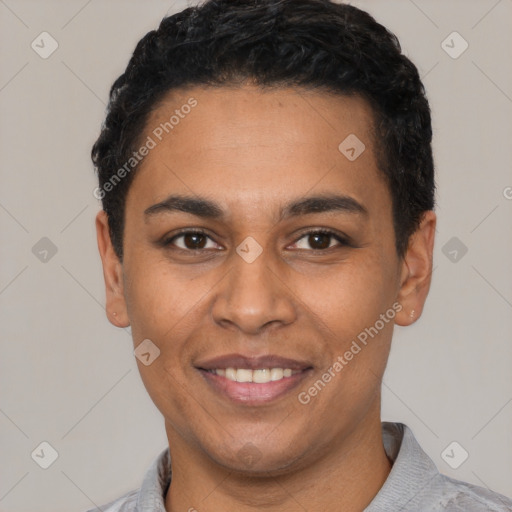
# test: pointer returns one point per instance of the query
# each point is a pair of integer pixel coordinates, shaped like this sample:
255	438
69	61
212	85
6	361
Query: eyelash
343	241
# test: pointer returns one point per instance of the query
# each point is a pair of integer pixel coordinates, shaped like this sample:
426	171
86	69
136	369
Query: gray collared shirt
413	485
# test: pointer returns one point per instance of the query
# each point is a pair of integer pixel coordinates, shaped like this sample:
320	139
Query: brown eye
194	241
320	240
191	241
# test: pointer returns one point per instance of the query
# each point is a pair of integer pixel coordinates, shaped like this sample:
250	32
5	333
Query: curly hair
315	44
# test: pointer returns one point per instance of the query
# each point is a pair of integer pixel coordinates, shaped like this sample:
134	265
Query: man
267	182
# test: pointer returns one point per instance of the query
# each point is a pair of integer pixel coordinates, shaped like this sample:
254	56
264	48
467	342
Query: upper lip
251	362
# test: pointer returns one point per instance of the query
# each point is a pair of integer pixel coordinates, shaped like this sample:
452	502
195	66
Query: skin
253	151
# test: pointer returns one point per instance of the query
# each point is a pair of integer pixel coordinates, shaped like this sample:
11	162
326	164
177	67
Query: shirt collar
412	469
155	484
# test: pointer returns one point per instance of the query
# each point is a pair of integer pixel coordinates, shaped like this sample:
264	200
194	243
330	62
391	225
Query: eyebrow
205	208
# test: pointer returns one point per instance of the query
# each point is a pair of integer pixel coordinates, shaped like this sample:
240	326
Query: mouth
253	380
259	376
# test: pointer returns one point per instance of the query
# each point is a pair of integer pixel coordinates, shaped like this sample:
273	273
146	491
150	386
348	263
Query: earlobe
112	274
416	271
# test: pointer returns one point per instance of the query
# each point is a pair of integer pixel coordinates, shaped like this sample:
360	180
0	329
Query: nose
254	295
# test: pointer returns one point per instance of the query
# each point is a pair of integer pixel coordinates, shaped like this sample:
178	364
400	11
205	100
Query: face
257	255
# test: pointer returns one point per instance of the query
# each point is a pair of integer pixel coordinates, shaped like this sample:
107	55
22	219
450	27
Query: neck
346	478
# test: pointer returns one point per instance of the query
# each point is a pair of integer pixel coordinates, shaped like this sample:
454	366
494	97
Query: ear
416	271
112	274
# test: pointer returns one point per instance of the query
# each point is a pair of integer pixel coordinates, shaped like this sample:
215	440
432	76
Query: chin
254	461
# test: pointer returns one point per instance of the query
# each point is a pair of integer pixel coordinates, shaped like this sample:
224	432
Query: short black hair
313	44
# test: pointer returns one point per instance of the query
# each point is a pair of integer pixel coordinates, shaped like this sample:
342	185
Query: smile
258	376
251	381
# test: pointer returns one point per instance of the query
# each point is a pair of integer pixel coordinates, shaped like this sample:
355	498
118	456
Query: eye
320	240
191	241
197	240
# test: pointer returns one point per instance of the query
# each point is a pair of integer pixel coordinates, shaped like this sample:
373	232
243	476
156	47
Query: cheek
159	297
350	296
165	386
163	306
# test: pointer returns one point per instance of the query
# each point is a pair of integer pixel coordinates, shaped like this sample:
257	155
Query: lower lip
251	393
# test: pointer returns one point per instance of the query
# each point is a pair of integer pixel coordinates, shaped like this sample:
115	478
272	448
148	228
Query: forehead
250	115
255	146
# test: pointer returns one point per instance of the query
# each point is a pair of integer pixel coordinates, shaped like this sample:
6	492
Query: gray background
69	378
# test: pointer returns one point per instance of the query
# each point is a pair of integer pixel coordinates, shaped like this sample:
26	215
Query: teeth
276	374
244	375
260	376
